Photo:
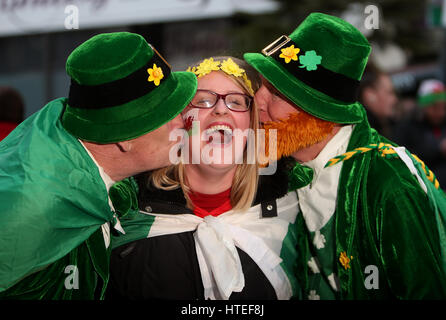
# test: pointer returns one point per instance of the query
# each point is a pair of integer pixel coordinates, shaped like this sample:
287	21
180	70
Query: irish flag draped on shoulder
52	197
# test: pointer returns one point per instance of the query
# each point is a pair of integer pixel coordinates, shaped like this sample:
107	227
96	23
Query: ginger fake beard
299	131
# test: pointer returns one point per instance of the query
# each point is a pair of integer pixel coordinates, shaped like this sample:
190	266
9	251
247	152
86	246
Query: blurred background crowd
402	87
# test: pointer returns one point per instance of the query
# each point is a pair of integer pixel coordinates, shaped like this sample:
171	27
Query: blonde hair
245	180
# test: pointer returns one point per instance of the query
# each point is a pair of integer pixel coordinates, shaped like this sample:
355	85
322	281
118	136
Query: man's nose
264	117
177	122
262	100
262	96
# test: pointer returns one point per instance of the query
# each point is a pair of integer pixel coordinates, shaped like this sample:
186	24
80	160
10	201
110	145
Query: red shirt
6	128
211	204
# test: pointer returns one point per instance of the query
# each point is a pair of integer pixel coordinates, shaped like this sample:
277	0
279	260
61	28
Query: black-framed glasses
207	99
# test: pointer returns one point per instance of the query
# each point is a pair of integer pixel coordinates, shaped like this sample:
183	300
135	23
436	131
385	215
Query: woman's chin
222	155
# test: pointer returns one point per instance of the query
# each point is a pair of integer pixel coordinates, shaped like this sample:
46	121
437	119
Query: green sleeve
409	244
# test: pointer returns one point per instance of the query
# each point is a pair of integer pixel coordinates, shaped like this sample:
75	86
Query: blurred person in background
11	110
425	133
378	96
404	111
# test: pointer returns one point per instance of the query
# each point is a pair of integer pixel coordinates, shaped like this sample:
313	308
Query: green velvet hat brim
308	99
135	118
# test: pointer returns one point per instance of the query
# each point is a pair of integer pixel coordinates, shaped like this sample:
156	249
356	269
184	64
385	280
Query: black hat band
333	84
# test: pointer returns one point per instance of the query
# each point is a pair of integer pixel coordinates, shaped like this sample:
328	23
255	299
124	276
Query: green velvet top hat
122	88
430	92
318	67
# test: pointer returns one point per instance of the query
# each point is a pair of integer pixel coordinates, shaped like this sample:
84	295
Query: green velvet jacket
385	219
53	202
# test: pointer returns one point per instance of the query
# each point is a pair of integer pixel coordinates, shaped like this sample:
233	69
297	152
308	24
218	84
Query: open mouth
219	134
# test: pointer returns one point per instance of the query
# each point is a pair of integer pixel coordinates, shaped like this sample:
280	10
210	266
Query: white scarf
216	239
318	199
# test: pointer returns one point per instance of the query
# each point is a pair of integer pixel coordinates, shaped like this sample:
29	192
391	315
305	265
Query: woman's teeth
224	131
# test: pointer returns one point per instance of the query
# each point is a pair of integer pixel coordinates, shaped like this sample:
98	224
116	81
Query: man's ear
124	146
369	96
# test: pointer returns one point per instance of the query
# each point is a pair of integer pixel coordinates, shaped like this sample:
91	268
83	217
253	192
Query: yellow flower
289	53
344	260
155	74
230	67
189	69
248	84
207	66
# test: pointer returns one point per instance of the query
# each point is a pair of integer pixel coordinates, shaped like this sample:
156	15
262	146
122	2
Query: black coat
166	267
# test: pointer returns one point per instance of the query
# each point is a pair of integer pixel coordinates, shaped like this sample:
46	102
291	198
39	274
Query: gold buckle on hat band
276	45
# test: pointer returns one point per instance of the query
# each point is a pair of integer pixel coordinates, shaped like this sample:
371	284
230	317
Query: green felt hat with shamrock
318	67
122	88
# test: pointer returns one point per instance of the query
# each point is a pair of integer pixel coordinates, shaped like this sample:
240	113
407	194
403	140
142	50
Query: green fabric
92	262
135	118
300	176
52	199
136	225
437	202
289	257
325	259
107	57
385	219
124	196
343	49
303	249
111	56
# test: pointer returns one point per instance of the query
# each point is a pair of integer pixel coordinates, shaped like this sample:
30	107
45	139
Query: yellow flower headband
228	66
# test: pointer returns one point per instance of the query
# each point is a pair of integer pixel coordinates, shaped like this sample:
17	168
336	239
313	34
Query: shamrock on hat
310	60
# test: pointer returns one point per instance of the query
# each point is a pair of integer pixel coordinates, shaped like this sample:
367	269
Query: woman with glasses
210	227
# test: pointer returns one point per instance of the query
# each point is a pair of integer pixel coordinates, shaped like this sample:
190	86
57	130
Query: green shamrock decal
310	60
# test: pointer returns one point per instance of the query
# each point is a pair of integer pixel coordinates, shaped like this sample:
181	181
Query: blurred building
36	36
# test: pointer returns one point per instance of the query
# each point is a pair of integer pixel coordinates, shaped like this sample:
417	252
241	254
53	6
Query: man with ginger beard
373	215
